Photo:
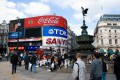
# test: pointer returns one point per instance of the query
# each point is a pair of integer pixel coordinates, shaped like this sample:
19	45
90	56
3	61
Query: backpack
77	78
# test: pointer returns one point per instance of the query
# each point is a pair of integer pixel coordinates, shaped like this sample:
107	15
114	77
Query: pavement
41	74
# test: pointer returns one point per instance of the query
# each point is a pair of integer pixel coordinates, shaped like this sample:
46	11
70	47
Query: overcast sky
69	9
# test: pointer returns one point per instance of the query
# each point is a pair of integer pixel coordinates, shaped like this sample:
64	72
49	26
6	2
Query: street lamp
17	30
59	52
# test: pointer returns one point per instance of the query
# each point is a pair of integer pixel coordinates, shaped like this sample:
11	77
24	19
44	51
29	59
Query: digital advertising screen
32	48
15	35
16	26
33	32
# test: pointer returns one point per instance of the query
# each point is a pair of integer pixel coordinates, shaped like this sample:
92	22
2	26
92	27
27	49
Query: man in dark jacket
33	62
14	61
104	66
96	68
117	67
27	60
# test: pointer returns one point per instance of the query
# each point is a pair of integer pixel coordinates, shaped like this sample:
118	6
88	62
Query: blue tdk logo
55	31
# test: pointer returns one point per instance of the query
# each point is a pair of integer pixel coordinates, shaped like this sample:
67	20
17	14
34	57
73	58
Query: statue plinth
84	40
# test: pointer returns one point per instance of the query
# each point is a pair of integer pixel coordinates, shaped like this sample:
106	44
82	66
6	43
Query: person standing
96	68
79	69
6	56
33	62
66	60
104	69
52	63
14	61
27	60
117	67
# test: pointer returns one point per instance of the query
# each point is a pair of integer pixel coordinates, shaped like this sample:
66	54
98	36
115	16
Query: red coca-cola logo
41	21
52	20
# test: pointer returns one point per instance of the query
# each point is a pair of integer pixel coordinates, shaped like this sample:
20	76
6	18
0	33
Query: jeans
26	66
34	67
67	63
14	67
104	76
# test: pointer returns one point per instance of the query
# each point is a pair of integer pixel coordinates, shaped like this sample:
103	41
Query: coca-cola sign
41	21
52	20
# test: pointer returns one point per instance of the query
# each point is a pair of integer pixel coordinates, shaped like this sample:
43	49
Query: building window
109	36
101	41
114	19
114	24
100	31
116	41
115	31
110	41
109	31
101	36
108	23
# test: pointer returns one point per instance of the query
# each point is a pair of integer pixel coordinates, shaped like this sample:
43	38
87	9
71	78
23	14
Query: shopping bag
30	66
52	65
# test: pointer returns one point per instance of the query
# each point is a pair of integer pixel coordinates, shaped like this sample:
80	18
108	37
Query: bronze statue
84	11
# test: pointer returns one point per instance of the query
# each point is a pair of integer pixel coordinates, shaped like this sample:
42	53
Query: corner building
45	31
107	33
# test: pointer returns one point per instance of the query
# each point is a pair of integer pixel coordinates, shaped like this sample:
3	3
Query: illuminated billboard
15	29
15	35
33	32
54	36
54	31
54	41
48	20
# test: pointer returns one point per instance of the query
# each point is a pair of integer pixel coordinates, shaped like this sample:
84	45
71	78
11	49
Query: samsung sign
55	31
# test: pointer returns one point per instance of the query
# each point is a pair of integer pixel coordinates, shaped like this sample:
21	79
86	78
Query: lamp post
59	52
18	24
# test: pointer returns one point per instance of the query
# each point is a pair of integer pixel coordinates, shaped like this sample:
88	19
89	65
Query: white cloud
8	11
77	16
11	5
35	8
96	7
61	3
44	1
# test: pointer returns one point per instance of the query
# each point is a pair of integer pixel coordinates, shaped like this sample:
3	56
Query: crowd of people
99	67
53	62
33	60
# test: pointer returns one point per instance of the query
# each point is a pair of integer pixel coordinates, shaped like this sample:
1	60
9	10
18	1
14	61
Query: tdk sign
54	31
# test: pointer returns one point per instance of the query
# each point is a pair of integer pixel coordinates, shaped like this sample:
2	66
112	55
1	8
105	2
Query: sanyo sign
54	41
54	36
